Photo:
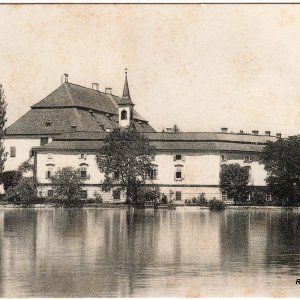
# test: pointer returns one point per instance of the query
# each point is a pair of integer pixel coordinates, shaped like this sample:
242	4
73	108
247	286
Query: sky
202	67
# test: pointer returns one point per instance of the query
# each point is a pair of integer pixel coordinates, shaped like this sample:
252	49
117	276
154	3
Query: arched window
124	115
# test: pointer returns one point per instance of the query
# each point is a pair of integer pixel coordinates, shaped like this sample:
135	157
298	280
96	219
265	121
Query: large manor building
67	128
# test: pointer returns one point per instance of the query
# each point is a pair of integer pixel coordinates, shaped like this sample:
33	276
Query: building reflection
130	252
283	240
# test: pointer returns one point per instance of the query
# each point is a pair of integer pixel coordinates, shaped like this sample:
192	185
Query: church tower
125	106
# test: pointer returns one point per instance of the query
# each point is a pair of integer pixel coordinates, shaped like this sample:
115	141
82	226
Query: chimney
267	132
255	132
224	130
95	86
73	128
108	90
278	135
66	76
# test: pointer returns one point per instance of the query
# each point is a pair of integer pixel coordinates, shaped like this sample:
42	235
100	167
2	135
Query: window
224	196
117	195
247	158
31	153
223	157
268	197
44	140
48	123
178	172
178	157
124	115
50	155
50	193
12	151
83	194
153	174
83	172
49	173
178	196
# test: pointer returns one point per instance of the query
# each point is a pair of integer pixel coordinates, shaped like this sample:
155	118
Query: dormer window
247	159
48	123
124	115
223	157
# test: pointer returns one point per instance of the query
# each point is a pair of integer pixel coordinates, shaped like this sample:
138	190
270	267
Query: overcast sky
199	66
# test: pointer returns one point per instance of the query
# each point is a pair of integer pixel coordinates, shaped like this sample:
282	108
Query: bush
216	204
164	199
98	198
201	201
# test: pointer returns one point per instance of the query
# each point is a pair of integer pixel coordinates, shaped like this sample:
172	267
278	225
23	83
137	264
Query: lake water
142	253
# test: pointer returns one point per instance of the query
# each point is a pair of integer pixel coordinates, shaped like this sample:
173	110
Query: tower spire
126	94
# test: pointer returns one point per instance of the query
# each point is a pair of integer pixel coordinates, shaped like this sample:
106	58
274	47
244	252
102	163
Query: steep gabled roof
71	104
73	95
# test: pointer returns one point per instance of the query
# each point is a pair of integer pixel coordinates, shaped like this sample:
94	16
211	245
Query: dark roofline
87	109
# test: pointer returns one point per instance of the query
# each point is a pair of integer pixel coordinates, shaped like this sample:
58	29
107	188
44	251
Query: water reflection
126	252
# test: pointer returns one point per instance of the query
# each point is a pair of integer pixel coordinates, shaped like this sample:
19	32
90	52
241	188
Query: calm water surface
130	253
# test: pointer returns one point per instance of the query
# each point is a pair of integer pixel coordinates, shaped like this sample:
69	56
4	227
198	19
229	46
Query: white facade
18	150
180	176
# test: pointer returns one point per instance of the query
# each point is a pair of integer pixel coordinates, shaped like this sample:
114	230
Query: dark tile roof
190	142
73	95
71	104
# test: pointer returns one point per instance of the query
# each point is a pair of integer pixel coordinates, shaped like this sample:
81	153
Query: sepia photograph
149	150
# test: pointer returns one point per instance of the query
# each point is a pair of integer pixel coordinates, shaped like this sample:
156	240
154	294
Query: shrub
216	204
201	201
98	198
164	199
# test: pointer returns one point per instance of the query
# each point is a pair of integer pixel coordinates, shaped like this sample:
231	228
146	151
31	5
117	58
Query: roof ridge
85	87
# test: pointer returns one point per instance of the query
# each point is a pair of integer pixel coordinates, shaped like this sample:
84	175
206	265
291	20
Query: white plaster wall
23	147
197	169
92	191
124	123
68	160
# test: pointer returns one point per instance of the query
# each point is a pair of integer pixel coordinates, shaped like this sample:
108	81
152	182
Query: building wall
23	147
200	173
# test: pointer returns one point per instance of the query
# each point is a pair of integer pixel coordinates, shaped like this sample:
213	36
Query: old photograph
149	150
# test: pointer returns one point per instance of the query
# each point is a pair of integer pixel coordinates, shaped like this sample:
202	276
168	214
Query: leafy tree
282	162
125	159
67	183
3	119
24	190
234	180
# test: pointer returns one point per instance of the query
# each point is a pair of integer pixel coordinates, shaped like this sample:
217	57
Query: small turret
125	106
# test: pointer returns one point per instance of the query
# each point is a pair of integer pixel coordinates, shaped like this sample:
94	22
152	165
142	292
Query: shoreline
122	206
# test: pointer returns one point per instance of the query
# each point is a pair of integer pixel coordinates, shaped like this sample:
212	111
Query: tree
281	160
24	190
67	183
125	159
3	119
234	180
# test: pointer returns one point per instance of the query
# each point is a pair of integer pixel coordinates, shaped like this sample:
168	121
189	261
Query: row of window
247	158
84	194
83	172
268	196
